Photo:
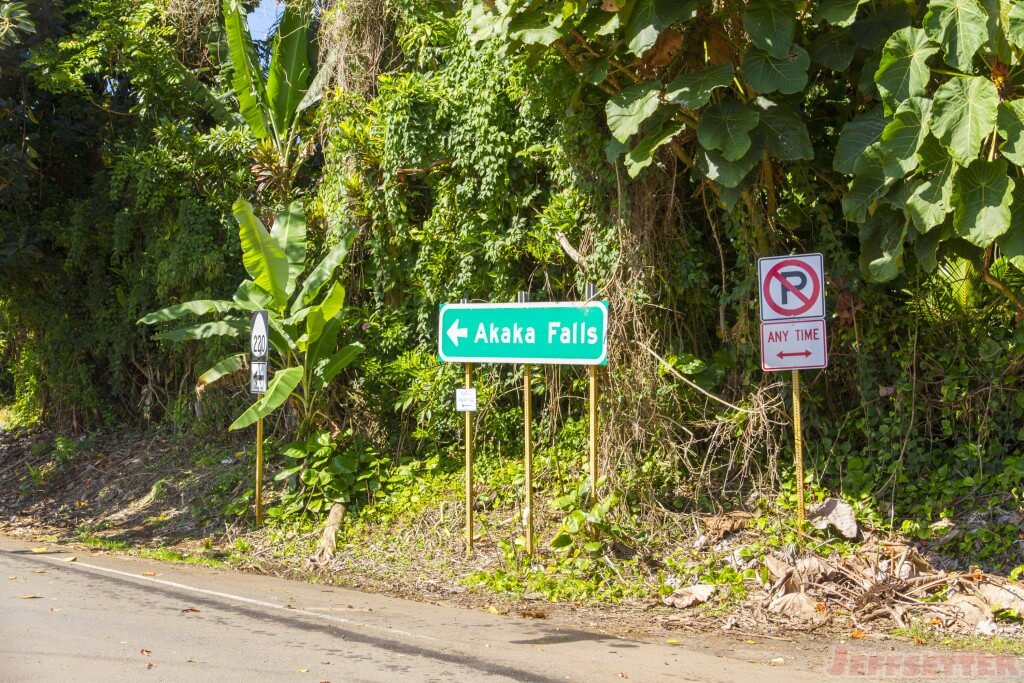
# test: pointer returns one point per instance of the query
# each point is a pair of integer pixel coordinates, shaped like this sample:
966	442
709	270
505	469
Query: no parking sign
793	332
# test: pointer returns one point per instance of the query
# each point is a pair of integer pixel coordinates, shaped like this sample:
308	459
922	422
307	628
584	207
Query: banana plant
304	318
272	106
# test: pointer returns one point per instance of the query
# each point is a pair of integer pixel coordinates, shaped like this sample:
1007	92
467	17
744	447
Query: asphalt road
112	618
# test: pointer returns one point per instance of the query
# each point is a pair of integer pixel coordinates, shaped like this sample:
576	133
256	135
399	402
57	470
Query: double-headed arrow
455	333
785	354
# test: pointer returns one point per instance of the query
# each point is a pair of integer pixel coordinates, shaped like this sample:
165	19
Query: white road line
251	601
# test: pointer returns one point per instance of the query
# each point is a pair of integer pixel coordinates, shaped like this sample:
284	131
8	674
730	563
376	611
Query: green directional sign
561	333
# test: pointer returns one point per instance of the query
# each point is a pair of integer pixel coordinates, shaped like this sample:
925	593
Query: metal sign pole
523	298
468	370
259	468
798	453
259	346
591	292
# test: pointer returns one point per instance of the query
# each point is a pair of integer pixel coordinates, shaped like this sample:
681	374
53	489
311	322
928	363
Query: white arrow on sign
455	333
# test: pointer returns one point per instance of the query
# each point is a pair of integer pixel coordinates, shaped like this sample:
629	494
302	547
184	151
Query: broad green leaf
641	156
595	70
870	31
981	201
280	388
961	27
227	366
264	259
219	328
771	25
288	77
726	127
767	74
250	297
928	204
868	185
1011	243
537	27
903	136
833	50
858	134
964	113
247	77
1011	129
562	541
1015	25
198	307
836	12
324	271
651	17
338	362
784	131
713	166
290	232
926	246
319	351
628	109
903	72
881	245
693	90
320	314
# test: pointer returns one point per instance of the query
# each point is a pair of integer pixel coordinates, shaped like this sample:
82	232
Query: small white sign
465	400
799	345
792	287
258	377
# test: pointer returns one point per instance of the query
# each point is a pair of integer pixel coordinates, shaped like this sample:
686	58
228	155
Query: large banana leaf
225	367
290	232
319	351
289	65
324	271
198	307
339	362
318	315
221	328
263	257
278	391
250	297
247	79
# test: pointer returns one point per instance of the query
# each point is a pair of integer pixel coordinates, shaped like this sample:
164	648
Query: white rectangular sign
801	345
258	377
465	400
791	287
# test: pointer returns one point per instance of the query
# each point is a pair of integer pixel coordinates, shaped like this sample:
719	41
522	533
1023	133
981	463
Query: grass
922	634
207	558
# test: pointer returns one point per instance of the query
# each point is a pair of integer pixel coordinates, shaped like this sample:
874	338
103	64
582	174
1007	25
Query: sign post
258	349
590	293
556	333
794	335
523	298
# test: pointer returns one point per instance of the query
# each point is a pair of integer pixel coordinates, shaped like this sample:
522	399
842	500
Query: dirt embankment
130	492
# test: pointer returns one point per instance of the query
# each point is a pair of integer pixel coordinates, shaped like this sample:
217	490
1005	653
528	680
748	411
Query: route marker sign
258	349
792	287
799	345
558	333
258	345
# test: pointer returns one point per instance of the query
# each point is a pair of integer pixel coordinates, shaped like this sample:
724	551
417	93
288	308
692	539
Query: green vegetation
415	152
